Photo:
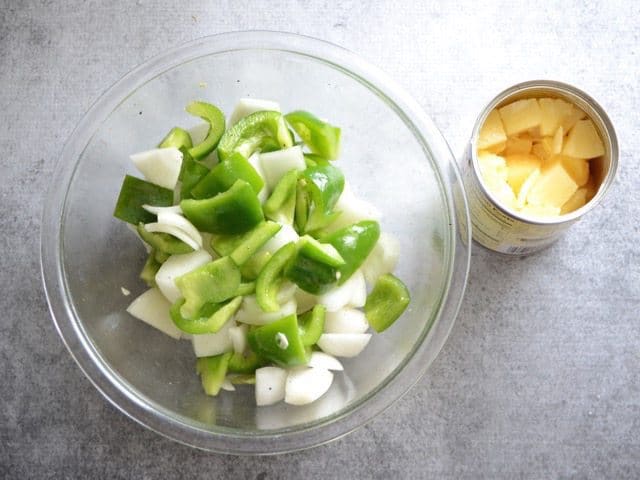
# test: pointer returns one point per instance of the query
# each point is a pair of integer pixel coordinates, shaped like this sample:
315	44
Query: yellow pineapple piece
556	143
519	167
553	112
543	149
592	188
540	211
583	141
492	165
577	168
553	187
569	121
492	131
520	115
576	201
526	187
515	145
498	148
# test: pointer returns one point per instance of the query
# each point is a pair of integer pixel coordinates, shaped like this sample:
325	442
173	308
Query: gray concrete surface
540	377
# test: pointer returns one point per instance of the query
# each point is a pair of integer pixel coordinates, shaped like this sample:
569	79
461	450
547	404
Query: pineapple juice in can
507	231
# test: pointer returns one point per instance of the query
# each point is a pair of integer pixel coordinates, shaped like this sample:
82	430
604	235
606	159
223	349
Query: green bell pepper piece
324	185
191	173
210	319
321	137
133	194
309	274
246	288
270	278
386	302
282	203
253	240
151	267
163	242
319	252
354	243
214	282
242	379
252	267
234	211
311	325
178	138
212	371
302	207
160	256
226	244
225	174
245	363
265	130
266	341
313	160
215	118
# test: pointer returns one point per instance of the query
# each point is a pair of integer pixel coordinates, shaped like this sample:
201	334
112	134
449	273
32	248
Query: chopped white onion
227	385
305	385
160	165
247	106
343	295
178	221
276	164
285	235
345	320
251	313
270	385
382	259
172	230
352	210
344	344
323	360
210	344
152	308
254	161
238	336
158	210
176	266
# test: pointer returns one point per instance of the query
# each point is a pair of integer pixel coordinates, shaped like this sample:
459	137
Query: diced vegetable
255	132
281	204
253	241
161	240
246	362
386	302
215	118
270	278
350	210
310	274
270	385
311	325
152	308
209	344
212	371
251	313
344	344
305	385
247	106
354	243
321	137
160	166
225	174
191	174
277	164
210	319
324	185
349	293
238	337
135	193
264	341
176	266
346	320
176	138
322	360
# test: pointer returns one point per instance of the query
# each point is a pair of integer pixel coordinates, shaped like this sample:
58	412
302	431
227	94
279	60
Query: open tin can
506	231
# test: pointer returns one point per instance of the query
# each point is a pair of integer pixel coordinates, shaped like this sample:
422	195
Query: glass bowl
392	156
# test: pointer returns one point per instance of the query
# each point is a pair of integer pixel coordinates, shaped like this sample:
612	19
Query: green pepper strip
313	160
160	256
386	302
269	280
242	379
215	118
264	131
245	363
282	203
311	325
252	267
163	242
214	282
253	241
191	173
151	267
234	211
210	319
133	194
319	252
178	138
246	288
324	185
212	371
321	137
302	206
265	341
354	243
311	275
225	174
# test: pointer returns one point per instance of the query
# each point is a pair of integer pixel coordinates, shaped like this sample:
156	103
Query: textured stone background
540	377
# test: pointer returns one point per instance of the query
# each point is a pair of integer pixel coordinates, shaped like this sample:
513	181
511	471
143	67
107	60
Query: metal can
503	230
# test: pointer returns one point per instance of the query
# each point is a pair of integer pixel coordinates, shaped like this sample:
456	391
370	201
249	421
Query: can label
499	231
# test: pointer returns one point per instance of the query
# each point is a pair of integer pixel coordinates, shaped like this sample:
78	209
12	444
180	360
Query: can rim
604	119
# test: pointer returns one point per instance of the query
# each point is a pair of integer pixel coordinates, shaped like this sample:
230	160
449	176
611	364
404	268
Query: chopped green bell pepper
234	211
133	194
191	173
242	379
302	206
280	342
265	130
252	267
214	282
210	319
386	302
178	138
160	256
354	243
270	278
246	288
319	252
313	160
308	272
151	267
212	371
225	174
163	242
311	325
324	185
321	137
281	204
253	240
215	118
245	363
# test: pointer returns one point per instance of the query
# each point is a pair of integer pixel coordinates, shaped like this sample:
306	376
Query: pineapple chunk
492	165
543	149
515	145
556	143
577	168
540	211
553	187
592	188
501	190
569	121
576	201
583	141
553	113
498	148
519	167
520	115
526	187
492	131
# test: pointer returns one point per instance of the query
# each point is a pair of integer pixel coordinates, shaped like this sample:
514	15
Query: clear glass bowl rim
256	442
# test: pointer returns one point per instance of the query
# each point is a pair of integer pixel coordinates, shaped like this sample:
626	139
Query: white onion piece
176	266
345	320
382	259
270	385
287	292
251	313
285	235
210	344
172	230
152	308
343	344
358	290
323	360
342	295
227	385
160	165
238	336
353	210
305	301
178	221
247	106
276	164
254	161
305	385
158	210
